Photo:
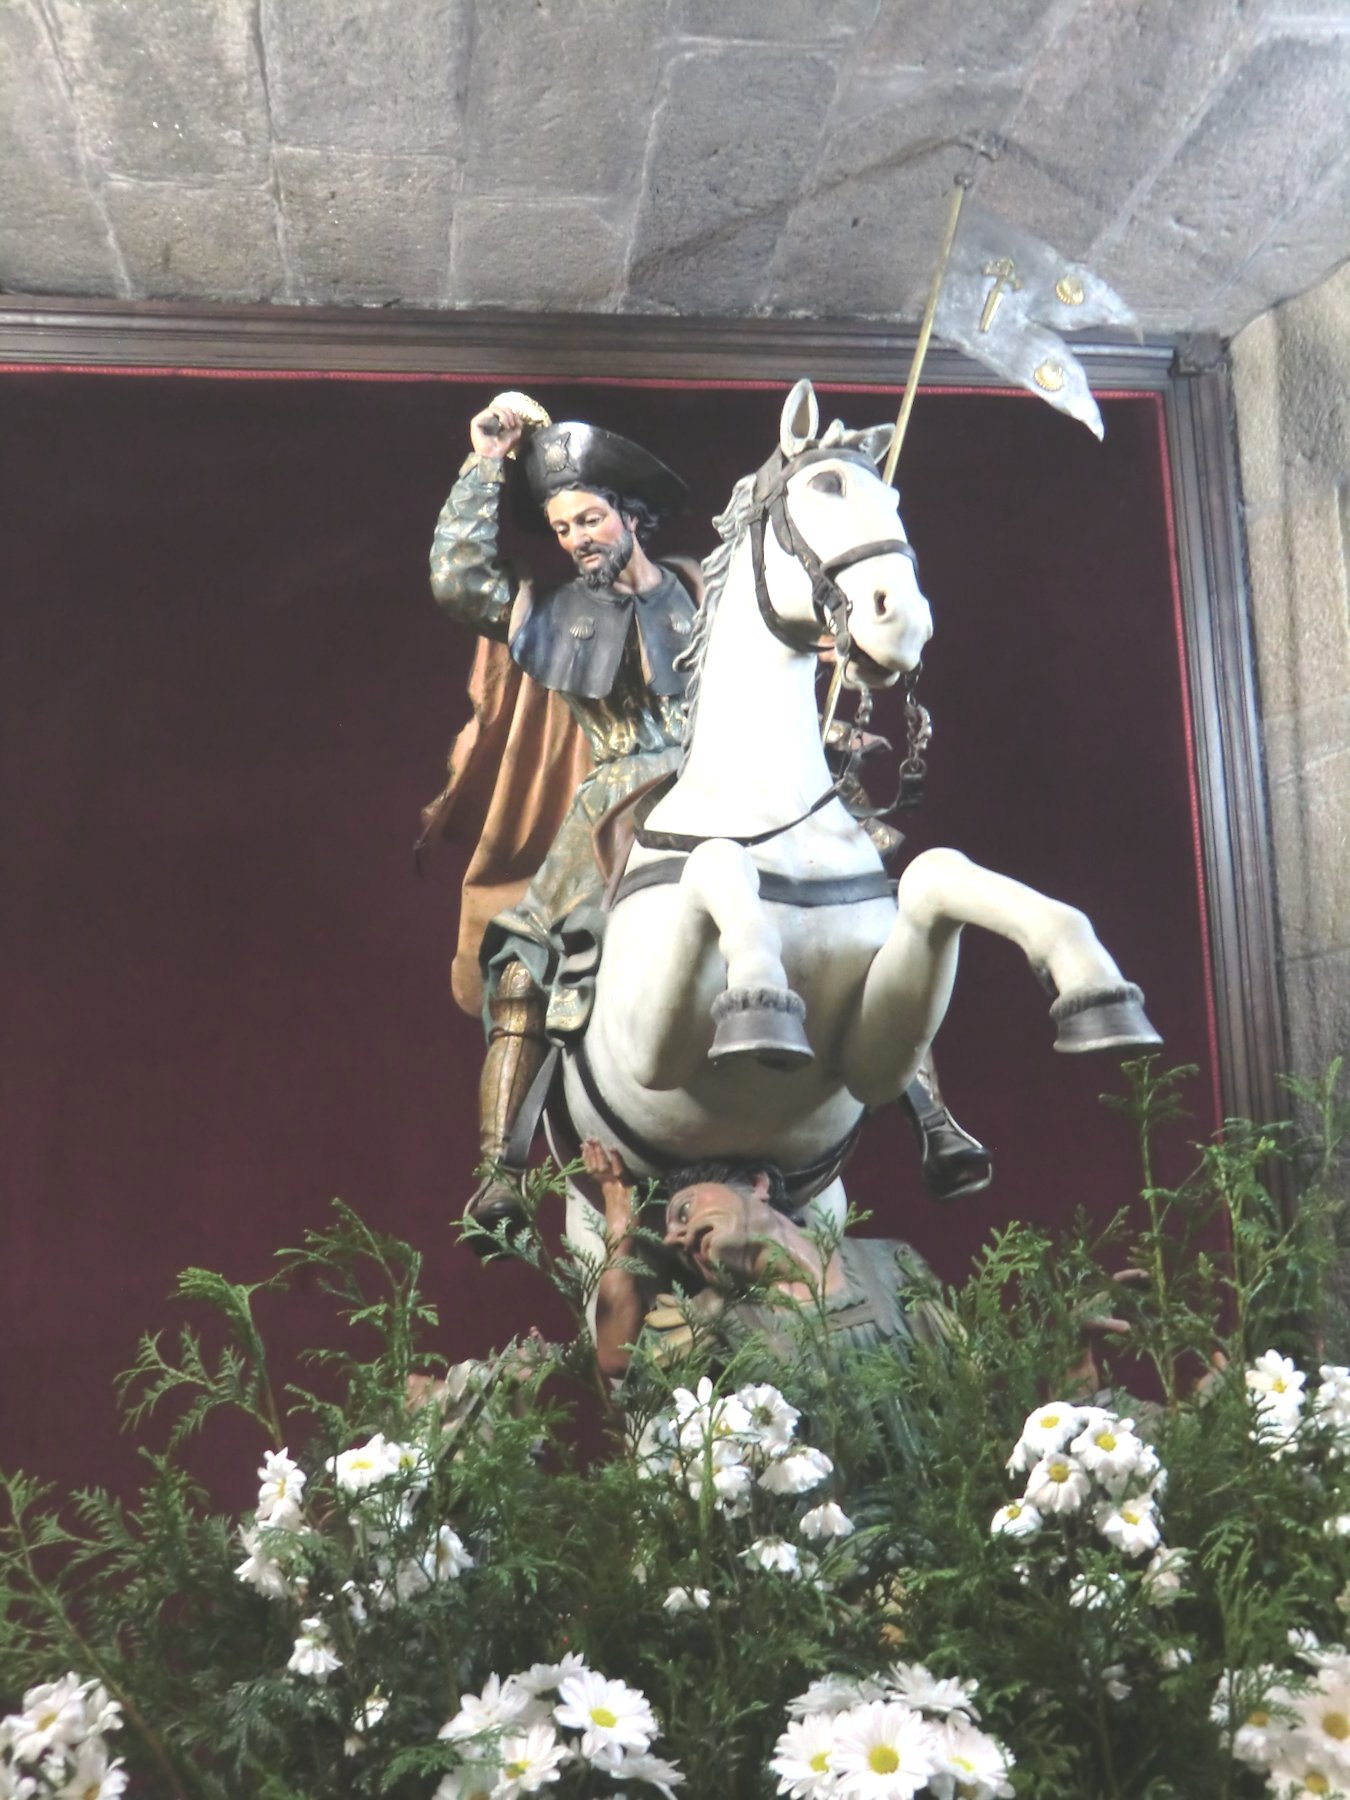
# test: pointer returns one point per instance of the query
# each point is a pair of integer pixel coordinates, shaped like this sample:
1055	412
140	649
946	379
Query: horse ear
800	420
876	441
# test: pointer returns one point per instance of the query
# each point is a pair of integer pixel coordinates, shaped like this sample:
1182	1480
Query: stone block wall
1291	371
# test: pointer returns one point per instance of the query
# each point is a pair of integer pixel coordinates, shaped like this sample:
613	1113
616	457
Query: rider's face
587	527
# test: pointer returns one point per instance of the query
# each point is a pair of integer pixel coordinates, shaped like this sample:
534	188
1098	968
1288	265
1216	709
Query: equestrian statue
696	951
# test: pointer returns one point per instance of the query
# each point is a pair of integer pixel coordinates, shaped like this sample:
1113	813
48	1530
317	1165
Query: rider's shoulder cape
571	639
513	771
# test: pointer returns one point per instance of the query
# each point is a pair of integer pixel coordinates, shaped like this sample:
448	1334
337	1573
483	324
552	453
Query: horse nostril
879	601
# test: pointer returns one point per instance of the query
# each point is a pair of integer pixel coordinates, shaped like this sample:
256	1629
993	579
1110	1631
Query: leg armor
515	1053
954	1162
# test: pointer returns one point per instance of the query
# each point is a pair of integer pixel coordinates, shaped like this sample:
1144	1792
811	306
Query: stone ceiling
745	157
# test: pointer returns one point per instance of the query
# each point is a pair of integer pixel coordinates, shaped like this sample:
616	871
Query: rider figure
607	644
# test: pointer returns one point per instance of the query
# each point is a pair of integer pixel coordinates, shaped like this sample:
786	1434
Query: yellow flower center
1049	1421
362	1462
820	1762
604	1718
47	1720
1259	1718
1336	1725
882	1760
1058	1471
1014	1509
1105	1440
1316	1782
515	1770
1131	1514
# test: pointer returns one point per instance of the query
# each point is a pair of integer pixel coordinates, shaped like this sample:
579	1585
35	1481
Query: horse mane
730	526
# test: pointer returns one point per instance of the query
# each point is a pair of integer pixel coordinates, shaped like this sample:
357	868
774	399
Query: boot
516	1051
954	1162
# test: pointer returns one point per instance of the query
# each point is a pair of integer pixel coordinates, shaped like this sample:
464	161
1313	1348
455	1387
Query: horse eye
829	481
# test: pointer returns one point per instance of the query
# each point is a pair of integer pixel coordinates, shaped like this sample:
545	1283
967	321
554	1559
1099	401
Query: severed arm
620	1303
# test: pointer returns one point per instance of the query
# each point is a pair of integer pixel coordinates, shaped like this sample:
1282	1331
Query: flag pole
963	183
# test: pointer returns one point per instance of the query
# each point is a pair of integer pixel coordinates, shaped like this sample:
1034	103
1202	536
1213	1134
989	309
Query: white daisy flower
1058	1484
828	1520
1131	1525
654	1771
1301	1772
281	1487
705	1414
796	1471
684	1599
1164	1575
447	1558
1048	1429
835	1694
1276	1431
1322	1719
371	1710
774	1554
543	1678
1275	1383
366	1466
929	1693
611	1716
1109	1450
92	1776
1091	1595
530	1760
54	1715
1114	1682
772	1420
1016	1519
883	1751
102	1712
260	1570
313	1653
471	1781
501	1703
970	1763
803	1757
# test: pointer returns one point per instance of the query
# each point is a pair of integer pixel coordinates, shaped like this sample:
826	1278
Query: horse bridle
830	605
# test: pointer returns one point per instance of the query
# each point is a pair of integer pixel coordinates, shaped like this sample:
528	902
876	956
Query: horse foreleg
909	983
754	1010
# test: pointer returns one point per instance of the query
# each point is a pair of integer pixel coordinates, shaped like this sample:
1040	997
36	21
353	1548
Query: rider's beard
612	564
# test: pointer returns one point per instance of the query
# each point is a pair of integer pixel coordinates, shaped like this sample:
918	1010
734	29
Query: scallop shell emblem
1069	290
1049	375
581	629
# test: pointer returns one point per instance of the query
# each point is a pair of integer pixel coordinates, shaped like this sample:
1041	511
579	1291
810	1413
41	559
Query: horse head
836	557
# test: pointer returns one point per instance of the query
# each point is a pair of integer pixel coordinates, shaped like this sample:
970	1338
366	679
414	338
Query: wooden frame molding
1192	381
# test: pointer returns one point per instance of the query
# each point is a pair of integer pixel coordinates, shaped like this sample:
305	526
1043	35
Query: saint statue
579	707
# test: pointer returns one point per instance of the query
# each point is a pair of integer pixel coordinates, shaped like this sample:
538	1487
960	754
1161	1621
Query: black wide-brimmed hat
574	455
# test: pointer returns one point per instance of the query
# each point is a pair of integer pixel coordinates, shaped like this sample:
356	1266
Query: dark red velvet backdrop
226	694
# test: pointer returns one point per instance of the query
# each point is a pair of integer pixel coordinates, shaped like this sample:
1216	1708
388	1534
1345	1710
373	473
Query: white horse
755	999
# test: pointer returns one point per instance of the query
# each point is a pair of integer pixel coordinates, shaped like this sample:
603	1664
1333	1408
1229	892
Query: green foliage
1175	1300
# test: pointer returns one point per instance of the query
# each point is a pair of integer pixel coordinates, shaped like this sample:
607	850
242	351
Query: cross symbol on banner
1004	272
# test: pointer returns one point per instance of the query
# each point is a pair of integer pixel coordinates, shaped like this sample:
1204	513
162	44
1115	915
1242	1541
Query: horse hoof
1103	1019
763	1023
